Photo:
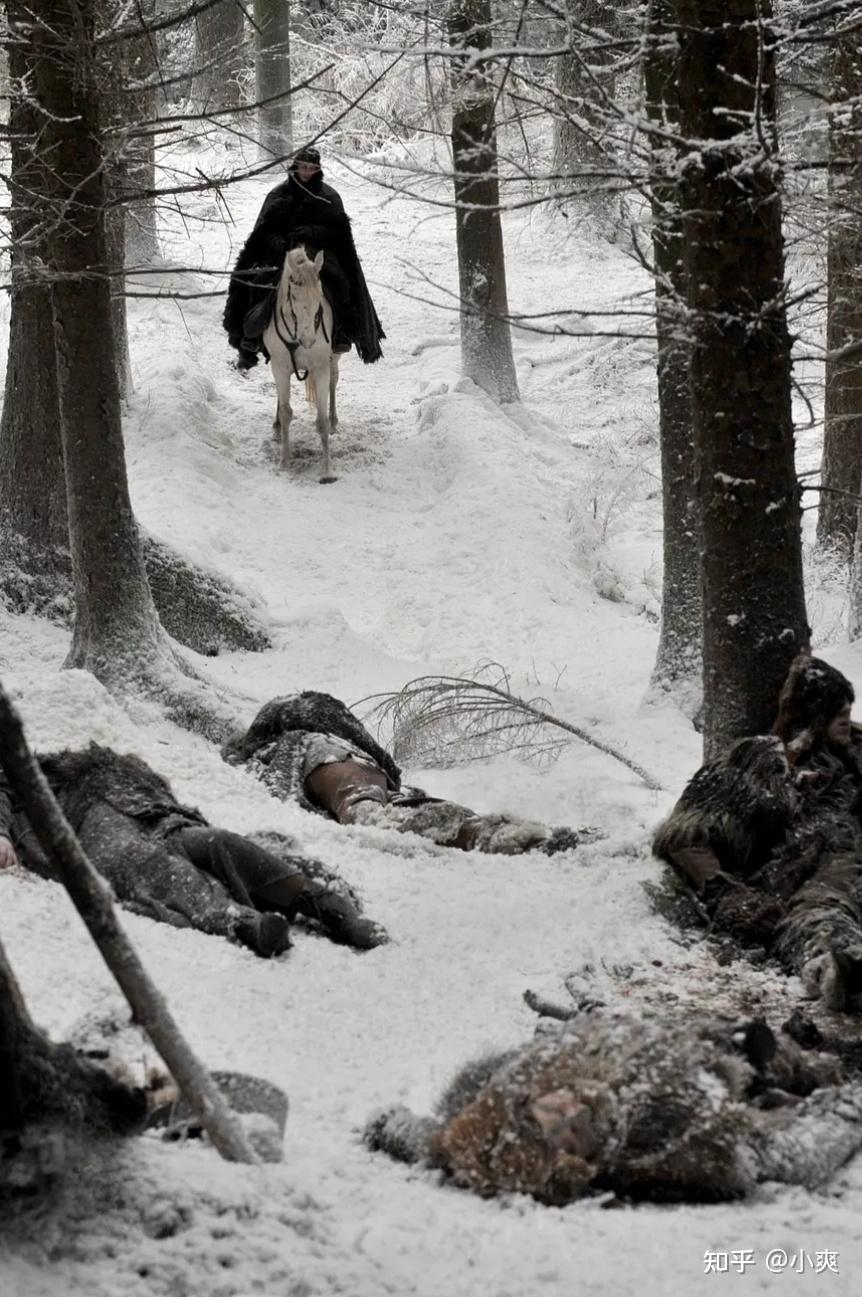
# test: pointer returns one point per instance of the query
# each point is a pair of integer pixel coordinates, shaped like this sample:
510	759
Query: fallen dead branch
447	720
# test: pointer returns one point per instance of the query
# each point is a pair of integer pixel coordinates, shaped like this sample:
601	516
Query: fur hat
812	695
308	153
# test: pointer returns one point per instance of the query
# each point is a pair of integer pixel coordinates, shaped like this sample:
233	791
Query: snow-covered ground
456	533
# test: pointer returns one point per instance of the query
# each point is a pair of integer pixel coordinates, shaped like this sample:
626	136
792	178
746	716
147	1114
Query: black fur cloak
311	214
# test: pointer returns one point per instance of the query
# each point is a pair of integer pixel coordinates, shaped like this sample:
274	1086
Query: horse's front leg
322	399
284	413
333	383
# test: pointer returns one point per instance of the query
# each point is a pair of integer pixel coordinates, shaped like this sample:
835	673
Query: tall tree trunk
141	68
199	608
753	598
219	56
115	253
126	102
679	660
842	437
117	633
579	150
33	524
486	339
272	71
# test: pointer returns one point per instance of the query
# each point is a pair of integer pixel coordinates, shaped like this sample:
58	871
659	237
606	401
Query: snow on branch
447	720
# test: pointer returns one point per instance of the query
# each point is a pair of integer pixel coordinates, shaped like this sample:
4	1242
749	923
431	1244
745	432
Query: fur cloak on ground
693	1109
277	742
782	813
740	805
125	816
311	215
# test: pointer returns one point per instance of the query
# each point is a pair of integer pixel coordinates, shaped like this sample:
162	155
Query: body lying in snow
677	1108
164	860
769	834
310	748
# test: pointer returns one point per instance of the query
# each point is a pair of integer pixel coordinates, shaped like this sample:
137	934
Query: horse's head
301	270
301	293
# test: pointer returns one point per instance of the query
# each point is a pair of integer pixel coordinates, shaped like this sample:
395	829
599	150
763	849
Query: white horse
299	341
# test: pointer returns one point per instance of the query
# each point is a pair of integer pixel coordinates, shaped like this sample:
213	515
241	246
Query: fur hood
81	778
811	697
740	805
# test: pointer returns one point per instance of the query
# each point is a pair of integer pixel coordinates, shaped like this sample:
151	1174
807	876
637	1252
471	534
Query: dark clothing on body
292	736
165	861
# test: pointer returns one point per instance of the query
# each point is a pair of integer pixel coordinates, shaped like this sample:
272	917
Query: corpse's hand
8	857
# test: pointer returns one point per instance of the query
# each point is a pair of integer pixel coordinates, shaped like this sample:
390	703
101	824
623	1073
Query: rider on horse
301	211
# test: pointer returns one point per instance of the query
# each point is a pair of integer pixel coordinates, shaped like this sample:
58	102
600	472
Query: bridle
292	341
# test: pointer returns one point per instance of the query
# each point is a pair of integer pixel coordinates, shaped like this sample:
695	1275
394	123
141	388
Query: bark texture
32	484
272	73
117	632
486	340
753	598
581	149
842	436
219	56
679	660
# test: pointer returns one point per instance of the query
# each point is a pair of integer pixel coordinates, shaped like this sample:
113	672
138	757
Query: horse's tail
310	390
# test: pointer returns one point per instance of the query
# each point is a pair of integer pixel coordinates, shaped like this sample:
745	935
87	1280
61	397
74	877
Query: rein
292	342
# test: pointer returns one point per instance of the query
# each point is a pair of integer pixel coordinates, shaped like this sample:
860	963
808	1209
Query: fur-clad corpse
280	739
769	832
165	861
310	214
664	1105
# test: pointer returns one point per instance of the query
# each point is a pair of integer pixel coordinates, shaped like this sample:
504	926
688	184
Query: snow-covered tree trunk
753	598
32	486
842	436
115	251
486	339
579	150
679	660
200	609
140	70
117	630
272	75
219	56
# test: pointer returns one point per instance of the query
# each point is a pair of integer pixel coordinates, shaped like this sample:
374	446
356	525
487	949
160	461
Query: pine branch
445	720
